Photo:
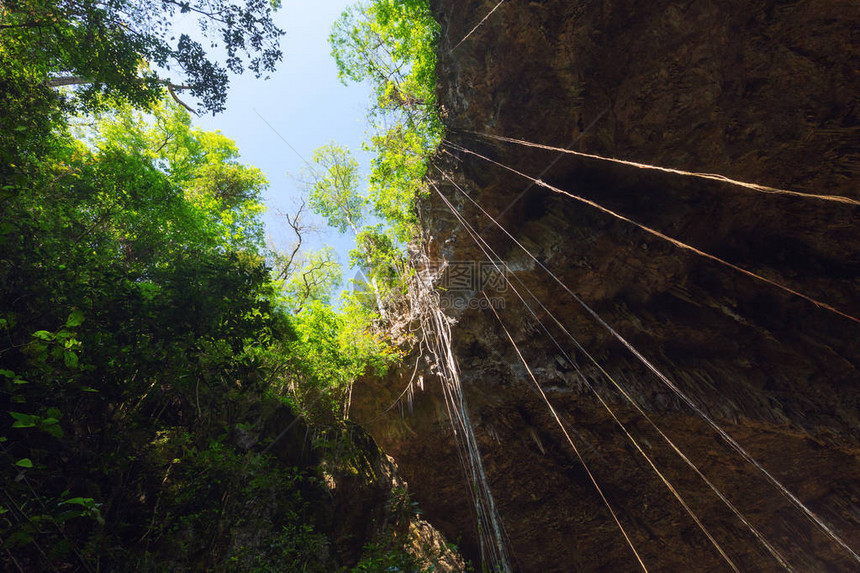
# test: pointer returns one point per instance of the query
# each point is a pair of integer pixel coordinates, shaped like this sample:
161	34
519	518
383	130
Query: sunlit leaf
75	319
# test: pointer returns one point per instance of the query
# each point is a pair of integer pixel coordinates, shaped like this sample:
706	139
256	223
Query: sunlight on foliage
334	348
334	190
315	281
392	45
204	164
107	50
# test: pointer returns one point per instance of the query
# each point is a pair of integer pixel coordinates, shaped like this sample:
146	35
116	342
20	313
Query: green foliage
297	548
331	350
334	193
402	155
392	44
107	48
141	330
219	505
31	114
315	281
377	249
133	298
221	192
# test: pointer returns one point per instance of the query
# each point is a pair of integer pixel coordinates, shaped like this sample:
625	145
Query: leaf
71	359
23	420
19	539
43	334
75	319
83	501
40	348
7	373
51	425
53	430
65	516
24	463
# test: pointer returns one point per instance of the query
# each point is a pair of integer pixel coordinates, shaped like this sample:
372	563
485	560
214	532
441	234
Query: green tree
141	330
205	165
125	312
334	194
334	185
392	44
315	281
132	51
378	250
332	350
400	164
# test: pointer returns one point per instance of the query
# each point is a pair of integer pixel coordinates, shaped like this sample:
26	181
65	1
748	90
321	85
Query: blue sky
306	104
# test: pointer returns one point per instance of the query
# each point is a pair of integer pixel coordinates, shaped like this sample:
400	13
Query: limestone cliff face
764	92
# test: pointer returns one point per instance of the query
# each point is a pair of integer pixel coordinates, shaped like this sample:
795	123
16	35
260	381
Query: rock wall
762	91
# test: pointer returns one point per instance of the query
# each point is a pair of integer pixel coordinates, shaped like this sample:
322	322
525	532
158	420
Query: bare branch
179	101
66	81
298	229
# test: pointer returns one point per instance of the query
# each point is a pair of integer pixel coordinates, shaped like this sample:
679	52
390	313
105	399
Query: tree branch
170	89
298	229
78	80
66	81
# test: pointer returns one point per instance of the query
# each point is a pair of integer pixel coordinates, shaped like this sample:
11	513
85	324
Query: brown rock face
764	92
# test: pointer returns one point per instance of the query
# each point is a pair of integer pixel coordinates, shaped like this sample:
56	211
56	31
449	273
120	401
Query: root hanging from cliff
485	247
712	176
794	500
506	272
659	235
478	25
436	327
572	445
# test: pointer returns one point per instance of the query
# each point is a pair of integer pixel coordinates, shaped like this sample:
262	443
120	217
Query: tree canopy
334	188
140	325
134	51
392	45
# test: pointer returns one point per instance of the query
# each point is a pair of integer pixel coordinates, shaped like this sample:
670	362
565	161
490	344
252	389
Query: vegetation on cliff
392	45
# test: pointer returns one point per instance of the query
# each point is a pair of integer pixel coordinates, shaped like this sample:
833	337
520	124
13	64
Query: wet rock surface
763	92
